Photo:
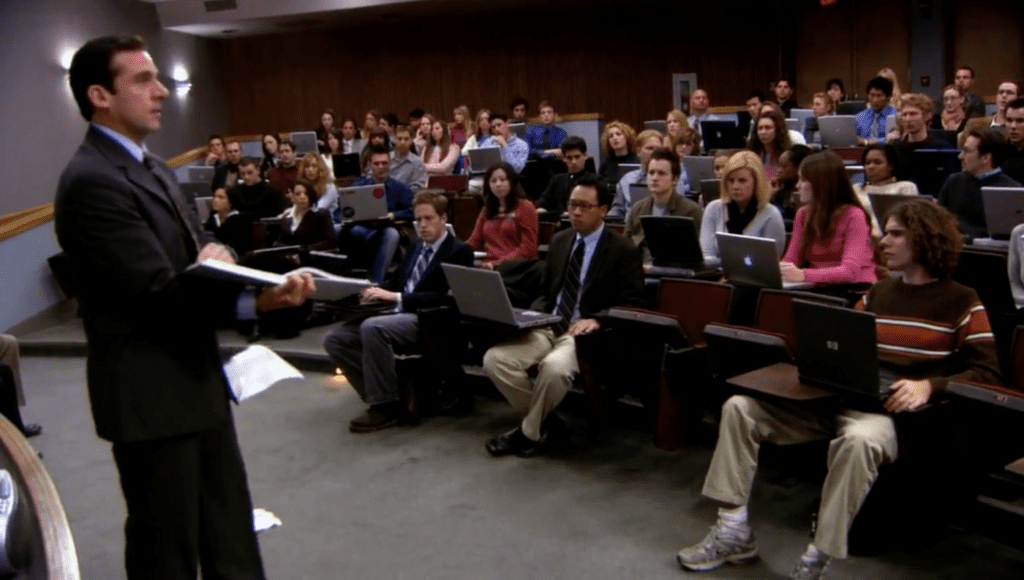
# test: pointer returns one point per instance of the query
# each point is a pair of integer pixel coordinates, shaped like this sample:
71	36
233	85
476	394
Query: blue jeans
385	240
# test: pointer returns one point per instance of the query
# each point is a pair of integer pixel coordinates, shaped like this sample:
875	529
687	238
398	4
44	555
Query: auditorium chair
774	312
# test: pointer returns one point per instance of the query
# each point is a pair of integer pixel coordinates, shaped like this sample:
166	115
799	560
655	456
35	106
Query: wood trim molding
26	219
41	494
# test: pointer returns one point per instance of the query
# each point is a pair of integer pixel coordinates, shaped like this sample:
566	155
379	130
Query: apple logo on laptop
748	260
378	192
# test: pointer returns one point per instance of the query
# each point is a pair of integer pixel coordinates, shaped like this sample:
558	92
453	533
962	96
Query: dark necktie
570	289
421	266
174	196
547	137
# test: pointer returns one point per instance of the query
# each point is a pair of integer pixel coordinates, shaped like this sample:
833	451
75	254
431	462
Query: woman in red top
832	233
507	226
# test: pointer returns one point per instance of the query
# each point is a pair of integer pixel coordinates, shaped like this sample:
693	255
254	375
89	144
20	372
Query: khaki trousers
506	365
861	443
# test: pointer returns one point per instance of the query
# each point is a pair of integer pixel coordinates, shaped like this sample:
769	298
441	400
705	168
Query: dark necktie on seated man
421	266
570	289
547	137
174	195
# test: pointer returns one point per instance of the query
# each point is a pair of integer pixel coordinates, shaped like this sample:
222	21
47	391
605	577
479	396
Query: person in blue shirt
545	139
381	242
514	150
871	121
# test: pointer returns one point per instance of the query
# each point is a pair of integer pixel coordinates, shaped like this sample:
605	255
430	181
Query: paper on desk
263	520
256	369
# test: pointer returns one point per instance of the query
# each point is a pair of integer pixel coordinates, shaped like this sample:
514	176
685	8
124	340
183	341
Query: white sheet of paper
255	370
263	520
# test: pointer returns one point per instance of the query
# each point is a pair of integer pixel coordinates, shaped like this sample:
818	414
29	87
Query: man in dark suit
366	351
156	384
589	269
555	198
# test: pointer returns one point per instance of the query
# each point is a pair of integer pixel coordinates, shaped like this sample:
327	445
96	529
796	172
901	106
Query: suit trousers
861	443
506	365
188	507
366	353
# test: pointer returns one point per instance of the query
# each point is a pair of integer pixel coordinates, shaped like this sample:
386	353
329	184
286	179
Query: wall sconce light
181	83
65	59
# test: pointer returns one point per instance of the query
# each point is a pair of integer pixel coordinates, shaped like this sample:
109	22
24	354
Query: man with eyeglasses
983	152
381	242
1014	164
589	269
1006	92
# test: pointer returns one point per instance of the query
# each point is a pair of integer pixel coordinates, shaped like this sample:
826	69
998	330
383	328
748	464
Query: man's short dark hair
666	154
212	137
574	143
881	83
837	82
1017	103
966	68
403	129
543	104
499	115
759	95
933	234
379	150
788	80
516	101
392	119
605	195
434	198
287	142
248	161
93	65
416	113
991	142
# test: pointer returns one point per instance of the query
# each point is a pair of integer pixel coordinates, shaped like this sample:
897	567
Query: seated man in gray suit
365	351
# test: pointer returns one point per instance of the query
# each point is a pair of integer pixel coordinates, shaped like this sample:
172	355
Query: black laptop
346	165
931	167
838	352
674	246
986	272
721	135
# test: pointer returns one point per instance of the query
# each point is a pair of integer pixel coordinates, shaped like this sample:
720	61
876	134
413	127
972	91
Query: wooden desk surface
778	380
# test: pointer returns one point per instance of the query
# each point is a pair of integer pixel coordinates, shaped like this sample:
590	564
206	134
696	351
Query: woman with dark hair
881	164
270	143
770	140
378	138
326	126
370	121
831	241
462	125
302	224
835	89
618	142
230	227
440	154
507	226
784	186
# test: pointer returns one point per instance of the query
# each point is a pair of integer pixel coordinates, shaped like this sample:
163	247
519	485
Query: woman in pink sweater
507	226
832	233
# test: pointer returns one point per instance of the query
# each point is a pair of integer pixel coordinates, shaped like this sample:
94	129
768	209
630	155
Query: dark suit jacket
432	289
154	368
555	198
615	276
315	230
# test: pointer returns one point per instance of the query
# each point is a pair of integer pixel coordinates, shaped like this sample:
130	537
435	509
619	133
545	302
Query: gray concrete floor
428	502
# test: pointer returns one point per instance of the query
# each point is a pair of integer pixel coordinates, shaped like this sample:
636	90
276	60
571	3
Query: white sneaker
721	545
809	569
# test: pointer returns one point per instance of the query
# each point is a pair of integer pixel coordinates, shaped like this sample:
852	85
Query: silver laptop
1004	210
801	116
481	294
881	203
838	130
625	168
698	169
204	205
200	174
637	193
793	125
362	203
660	126
518	129
753	261
483	158
305	142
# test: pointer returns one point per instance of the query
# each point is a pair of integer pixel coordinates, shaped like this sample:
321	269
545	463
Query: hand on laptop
584	326
908	395
790	273
378	294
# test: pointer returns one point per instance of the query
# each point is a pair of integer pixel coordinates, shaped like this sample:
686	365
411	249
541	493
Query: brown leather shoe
374	419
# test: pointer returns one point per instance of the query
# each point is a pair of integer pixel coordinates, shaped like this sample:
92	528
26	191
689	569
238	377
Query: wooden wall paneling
988	37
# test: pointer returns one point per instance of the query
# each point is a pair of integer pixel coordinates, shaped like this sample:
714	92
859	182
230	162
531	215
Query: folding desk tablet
362	203
201	174
1004	210
481	294
721	135
838	131
753	261
305	142
483	158
674	246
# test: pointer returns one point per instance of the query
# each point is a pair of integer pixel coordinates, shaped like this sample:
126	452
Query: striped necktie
421	266
570	289
177	202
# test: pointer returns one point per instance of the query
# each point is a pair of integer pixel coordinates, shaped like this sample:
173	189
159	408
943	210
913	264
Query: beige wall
988	38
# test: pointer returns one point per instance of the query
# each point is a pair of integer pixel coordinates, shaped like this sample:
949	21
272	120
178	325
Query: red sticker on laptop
378	192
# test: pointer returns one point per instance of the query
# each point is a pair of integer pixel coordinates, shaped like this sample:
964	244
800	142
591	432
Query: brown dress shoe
374	419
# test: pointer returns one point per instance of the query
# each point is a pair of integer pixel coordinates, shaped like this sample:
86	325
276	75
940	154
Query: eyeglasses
583	205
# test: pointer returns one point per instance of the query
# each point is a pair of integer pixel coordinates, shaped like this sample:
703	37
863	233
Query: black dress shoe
555	430
374	419
514	442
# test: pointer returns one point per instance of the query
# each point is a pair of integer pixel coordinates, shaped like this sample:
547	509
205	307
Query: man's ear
99	96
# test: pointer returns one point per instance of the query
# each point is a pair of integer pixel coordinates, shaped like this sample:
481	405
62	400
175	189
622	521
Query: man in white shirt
406	167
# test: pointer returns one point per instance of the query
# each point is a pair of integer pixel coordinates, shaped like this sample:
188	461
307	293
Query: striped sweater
938	331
